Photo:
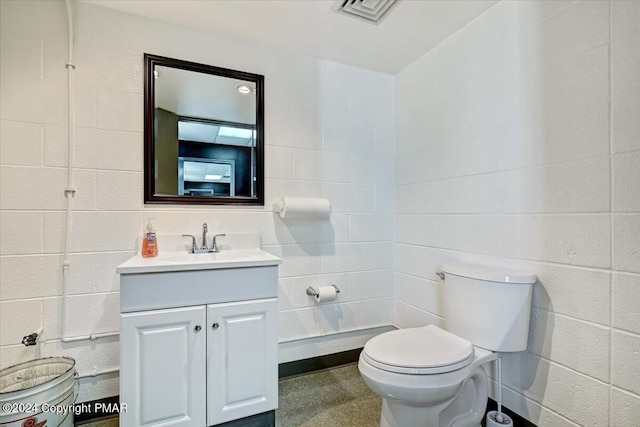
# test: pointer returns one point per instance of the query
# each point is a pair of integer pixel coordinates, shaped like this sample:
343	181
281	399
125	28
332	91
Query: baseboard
265	419
517	419
96	410
299	367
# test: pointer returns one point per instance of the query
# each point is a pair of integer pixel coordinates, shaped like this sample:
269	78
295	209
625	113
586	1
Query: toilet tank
488	306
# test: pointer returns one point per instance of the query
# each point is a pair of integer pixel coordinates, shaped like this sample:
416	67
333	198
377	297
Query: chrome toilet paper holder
313	292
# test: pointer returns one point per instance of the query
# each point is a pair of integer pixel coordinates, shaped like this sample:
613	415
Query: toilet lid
426	349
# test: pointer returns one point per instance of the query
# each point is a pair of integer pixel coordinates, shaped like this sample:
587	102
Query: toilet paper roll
326	293
303	207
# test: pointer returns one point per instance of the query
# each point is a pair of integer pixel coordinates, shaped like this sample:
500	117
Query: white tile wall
21	276
625	83
408	316
626	294
551	188
579	345
26	143
626	181
330	134
577	292
18	315
573	395
423	294
625	369
626	242
551	184
99	149
21	233
507	152
370	284
626	408
566	239
545	416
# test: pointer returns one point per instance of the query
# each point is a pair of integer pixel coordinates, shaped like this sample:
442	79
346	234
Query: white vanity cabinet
198	347
163	366
242	359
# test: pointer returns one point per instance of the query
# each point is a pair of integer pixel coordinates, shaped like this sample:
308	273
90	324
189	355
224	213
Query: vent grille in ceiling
373	11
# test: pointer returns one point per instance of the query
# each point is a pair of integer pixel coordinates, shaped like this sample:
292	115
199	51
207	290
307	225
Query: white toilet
429	377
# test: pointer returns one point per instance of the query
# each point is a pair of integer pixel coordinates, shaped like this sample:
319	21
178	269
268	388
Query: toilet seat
419	351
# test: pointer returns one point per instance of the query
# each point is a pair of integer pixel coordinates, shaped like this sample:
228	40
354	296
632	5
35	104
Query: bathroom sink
206	257
183	261
236	251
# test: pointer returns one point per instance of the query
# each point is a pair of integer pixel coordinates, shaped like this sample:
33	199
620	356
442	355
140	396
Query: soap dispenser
150	242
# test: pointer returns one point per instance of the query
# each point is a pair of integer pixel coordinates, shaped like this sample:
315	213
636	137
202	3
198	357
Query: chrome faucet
204	235
203	250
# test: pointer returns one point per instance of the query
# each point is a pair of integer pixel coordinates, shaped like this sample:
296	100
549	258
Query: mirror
204	134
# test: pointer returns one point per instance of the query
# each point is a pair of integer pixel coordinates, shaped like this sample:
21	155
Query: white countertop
247	254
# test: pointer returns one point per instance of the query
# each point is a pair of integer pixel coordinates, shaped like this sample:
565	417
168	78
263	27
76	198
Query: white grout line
611	204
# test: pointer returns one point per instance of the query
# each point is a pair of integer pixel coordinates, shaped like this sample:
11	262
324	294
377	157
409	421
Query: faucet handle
214	244
194	243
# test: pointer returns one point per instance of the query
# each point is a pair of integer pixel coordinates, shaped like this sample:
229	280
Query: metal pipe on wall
69	190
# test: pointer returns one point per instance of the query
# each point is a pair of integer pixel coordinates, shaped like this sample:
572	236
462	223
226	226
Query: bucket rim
50	358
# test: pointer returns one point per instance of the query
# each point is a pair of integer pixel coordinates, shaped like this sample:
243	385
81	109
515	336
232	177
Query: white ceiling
311	27
205	96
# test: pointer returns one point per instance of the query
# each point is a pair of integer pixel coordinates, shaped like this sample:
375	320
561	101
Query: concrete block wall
329	133
518	144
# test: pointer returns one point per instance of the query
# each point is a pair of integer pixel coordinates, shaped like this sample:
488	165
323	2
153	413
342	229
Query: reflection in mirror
206	177
203	131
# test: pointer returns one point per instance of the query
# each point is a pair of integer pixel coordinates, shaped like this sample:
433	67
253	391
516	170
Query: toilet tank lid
488	273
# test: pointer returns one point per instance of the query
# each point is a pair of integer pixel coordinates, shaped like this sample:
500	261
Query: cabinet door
242	359
162	362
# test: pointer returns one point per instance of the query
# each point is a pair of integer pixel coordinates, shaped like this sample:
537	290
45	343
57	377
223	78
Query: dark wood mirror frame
150	61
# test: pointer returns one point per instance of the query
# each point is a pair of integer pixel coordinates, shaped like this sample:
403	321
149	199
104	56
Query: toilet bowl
431	377
427	377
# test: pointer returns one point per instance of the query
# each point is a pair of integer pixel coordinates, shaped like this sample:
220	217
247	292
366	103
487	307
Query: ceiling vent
372	11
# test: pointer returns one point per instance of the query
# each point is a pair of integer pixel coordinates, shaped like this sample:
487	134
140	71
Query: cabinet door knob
197	328
215	325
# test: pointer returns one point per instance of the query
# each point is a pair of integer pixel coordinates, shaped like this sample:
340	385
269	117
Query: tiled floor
333	398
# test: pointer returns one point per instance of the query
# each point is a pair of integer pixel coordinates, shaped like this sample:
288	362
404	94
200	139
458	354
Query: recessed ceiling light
244	88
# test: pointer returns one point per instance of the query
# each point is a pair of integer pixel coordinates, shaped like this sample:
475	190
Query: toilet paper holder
313	292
